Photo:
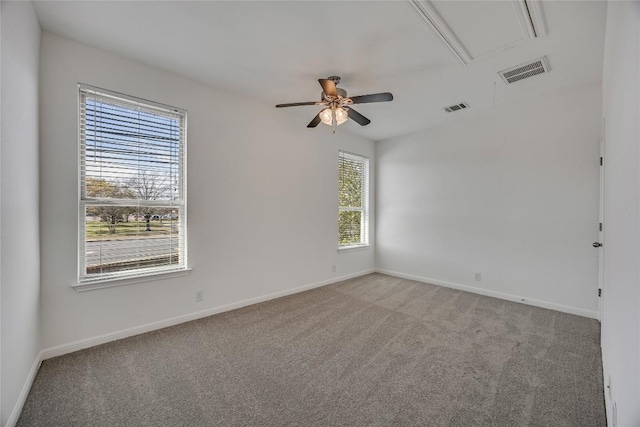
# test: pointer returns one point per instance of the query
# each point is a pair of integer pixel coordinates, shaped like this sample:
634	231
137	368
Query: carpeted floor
374	350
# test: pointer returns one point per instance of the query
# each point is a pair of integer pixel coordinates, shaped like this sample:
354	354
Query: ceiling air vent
524	71
456	107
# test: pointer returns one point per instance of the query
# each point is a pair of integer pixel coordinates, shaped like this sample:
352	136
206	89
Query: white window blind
132	209
353	200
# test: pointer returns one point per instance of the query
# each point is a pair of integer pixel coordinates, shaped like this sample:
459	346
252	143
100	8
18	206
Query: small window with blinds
353	200
132	206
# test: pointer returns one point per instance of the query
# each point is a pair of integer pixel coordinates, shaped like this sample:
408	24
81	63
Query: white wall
621	303
20	251
511	194
262	197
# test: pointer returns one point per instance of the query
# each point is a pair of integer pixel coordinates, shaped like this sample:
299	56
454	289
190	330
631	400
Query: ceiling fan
338	106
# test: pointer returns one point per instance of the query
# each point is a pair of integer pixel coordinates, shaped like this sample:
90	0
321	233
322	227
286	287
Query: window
132	204
353	200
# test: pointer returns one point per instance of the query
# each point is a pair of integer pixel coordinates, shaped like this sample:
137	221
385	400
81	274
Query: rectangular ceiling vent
524	71
456	107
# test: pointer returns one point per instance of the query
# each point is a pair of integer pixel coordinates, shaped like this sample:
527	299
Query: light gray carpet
375	350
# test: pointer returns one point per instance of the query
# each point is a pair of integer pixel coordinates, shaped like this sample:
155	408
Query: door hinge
600	226
600	161
600	292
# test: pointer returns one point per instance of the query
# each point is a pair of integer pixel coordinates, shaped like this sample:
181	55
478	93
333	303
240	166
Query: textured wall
20	252
262	195
511	194
621	302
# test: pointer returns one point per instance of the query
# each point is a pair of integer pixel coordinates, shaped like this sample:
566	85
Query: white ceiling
274	52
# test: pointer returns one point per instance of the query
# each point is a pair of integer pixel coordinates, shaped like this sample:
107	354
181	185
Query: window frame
364	201
95	281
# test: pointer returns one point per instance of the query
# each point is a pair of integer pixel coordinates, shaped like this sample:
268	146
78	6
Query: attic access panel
474	29
482	27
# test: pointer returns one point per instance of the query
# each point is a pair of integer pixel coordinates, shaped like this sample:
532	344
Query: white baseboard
59	350
22	397
495	294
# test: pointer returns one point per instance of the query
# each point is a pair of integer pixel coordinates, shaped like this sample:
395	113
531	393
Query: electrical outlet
333	268
477	277
199	296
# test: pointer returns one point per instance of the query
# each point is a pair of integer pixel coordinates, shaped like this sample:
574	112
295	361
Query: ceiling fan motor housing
341	93
334	79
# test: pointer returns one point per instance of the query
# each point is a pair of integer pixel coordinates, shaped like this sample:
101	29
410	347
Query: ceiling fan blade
314	122
328	86
296	104
358	118
375	97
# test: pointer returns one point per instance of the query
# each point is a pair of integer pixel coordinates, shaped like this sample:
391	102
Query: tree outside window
353	189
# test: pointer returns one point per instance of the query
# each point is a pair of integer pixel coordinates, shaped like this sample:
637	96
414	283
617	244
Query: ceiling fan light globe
325	116
341	116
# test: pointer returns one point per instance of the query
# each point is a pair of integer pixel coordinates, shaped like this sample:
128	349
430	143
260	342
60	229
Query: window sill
122	281
353	248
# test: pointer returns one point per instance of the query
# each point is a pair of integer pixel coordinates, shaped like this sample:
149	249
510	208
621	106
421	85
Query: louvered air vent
456	107
524	71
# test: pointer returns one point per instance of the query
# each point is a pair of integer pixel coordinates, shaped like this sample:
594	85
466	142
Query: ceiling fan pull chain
334	122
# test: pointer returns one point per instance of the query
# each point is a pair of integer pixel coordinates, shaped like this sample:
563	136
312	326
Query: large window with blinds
353	200
132	204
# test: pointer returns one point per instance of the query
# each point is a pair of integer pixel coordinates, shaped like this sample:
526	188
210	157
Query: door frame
601	226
